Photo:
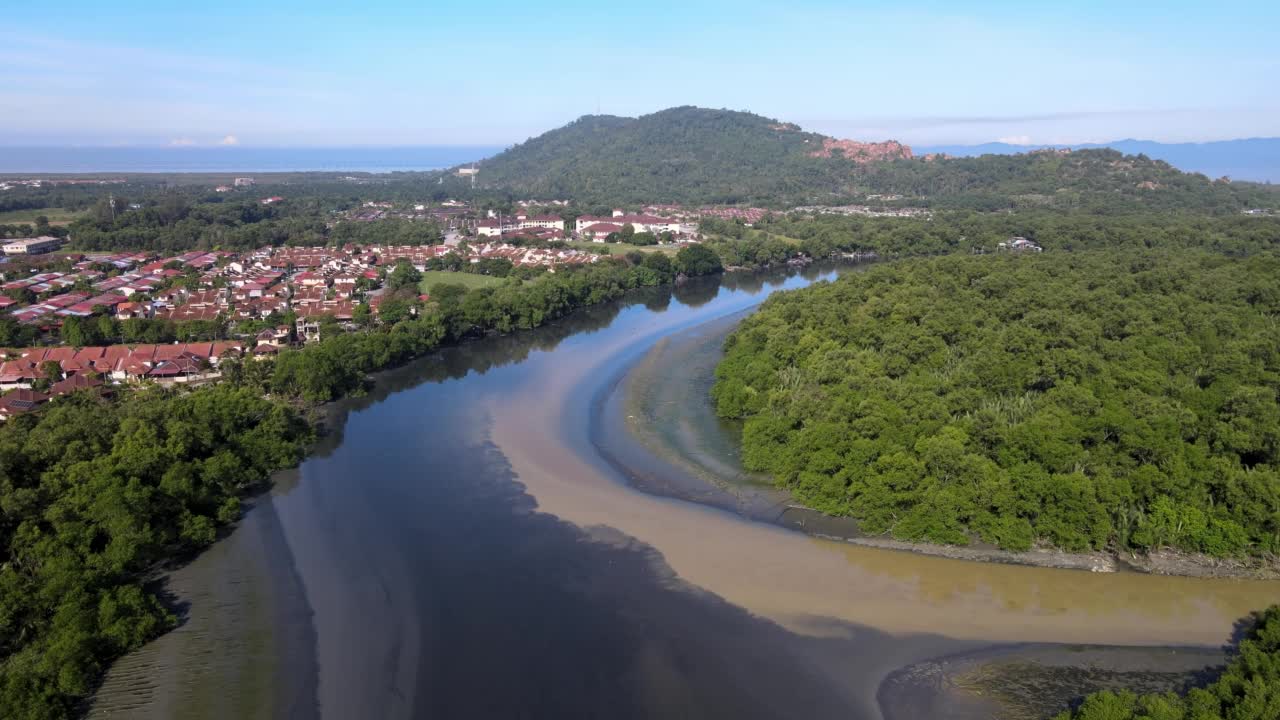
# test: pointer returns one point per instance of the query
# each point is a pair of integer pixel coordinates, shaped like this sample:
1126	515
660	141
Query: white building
495	228
31	246
1018	244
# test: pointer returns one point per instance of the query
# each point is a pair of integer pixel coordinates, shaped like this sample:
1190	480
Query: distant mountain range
1256	159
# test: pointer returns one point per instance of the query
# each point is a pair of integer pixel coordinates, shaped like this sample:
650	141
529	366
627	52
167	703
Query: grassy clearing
619	248
436	277
57	216
758	235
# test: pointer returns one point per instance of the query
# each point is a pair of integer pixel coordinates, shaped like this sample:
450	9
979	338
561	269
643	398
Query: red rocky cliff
861	152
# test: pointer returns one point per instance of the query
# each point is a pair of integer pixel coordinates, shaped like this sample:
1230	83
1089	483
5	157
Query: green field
57	216
753	234
435	277
619	248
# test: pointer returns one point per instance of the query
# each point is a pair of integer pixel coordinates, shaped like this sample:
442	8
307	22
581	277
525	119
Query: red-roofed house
598	232
185	367
129	310
20	401
18	374
76	383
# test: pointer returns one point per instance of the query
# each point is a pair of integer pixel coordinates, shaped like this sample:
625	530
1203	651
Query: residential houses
311	282
22	368
20	401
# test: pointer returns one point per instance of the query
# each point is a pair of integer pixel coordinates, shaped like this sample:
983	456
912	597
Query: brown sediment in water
431	580
802	581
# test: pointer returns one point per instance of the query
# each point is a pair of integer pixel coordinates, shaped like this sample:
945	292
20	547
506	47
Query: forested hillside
694	155
677	155
1085	399
1096	180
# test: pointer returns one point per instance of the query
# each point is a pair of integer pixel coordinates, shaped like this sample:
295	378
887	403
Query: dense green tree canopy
1081	399
966	231
93	495
698	260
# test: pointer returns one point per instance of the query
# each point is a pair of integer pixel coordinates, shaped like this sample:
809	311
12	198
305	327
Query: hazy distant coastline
237	159
1253	159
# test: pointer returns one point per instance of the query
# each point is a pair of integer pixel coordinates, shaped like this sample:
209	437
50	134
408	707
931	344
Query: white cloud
229	140
181	142
1015	140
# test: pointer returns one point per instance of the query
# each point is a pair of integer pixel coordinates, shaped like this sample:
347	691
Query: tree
148	478
15	334
361	315
50	371
79	332
21	295
393	310
697	260
405	275
660	263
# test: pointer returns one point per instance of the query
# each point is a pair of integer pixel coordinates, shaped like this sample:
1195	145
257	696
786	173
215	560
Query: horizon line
402	146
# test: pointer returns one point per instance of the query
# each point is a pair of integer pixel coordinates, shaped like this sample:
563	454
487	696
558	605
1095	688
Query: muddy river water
483	536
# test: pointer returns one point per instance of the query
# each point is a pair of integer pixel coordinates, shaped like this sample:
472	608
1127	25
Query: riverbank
456	529
244	623
1035	682
665	398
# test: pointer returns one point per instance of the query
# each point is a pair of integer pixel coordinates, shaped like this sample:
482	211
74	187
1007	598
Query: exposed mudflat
1037	681
244	646
471	540
690	453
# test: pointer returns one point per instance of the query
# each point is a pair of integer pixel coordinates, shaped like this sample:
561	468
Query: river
465	543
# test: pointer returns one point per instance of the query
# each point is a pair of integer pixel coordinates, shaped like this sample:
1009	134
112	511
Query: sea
15	160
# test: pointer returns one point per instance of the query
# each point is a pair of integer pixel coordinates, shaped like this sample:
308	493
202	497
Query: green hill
683	154
1098	180
695	155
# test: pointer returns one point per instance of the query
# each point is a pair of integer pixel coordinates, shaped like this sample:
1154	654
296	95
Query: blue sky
395	72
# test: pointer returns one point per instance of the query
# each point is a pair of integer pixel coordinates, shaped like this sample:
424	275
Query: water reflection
465	552
783	575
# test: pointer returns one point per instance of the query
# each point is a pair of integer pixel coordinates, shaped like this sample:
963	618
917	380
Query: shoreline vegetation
1027	682
101	495
1036	681
689	364
1248	688
1178	493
